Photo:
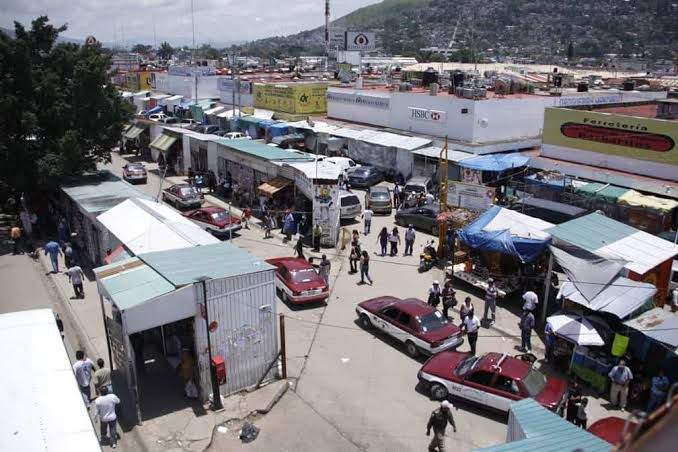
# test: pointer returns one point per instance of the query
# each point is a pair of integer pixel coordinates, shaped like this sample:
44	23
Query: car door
200	218
281	274
428	219
504	391
401	327
476	384
386	319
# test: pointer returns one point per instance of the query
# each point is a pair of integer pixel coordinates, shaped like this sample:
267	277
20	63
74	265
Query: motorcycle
427	260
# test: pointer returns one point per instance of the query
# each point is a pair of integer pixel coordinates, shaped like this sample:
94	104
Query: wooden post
283	353
547	288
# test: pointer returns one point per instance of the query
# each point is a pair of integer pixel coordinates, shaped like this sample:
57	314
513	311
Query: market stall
504	245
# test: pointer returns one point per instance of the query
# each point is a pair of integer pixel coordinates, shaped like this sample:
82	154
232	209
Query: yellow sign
295	98
619	345
634	137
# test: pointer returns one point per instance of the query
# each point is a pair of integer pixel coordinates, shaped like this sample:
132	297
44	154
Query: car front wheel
411	349
438	391
365	322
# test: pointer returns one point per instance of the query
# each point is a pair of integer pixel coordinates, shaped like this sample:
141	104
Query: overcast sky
216	21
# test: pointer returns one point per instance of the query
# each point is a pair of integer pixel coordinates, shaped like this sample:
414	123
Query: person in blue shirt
658	390
53	250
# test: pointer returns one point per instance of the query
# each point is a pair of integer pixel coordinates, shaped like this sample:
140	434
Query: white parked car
188	122
349	205
159	117
344	163
236	136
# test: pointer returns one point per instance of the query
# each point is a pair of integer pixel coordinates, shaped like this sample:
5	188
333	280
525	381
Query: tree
142	49
570	51
166	51
59	113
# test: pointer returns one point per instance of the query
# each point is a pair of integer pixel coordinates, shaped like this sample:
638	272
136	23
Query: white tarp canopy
388	139
519	225
228	113
146	226
214	111
44	409
317	170
263	114
434	152
620	297
575	329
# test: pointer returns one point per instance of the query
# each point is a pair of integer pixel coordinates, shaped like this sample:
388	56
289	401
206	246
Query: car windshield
349	201
220	216
380	195
414	188
303	275
432	322
360	171
534	382
188	191
466	365
135	167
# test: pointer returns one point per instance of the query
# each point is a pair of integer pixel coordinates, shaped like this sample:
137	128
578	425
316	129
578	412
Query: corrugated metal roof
434	152
659	324
609	238
389	139
262	151
163	142
135	286
185	266
546	431
99	192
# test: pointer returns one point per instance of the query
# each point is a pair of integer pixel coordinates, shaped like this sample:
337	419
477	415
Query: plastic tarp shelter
659	324
433	152
146	226
606	192
153	111
634	199
575	329
621	297
279	129
495	162
508	232
45	409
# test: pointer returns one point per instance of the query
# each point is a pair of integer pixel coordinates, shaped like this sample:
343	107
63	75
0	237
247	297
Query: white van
349	205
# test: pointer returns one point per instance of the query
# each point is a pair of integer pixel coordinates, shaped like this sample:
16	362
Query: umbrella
575	329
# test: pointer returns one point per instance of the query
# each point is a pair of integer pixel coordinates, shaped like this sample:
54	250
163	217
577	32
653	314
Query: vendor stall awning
274	185
508	232
495	162
621	297
163	142
433	152
133	132
575	329
608	238
605	192
659	324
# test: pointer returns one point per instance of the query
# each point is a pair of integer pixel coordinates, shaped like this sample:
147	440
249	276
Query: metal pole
108	338
238	85
283	353
442	177
230	229
216	394
547	288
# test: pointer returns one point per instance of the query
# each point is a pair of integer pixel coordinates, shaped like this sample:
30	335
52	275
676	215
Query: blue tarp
152	111
501	239
279	129
495	162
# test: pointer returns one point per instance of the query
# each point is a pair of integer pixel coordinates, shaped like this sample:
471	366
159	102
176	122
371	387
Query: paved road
357	389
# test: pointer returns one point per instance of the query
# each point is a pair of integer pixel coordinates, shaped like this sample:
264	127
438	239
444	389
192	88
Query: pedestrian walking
75	275
466	309
396	196
434	294
449	298
394	240
316	236
365	268
354	257
15	236
105	405
191	176
549	342
69	255
582	419
621	377
438	422
530	301
102	377
526	325
470	325
324	269
83	368
299	248
246	216
410	235
367	216
449	243
658	391
573	398
268	225
53	250
211	181
63	231
289	226
490	300
382	239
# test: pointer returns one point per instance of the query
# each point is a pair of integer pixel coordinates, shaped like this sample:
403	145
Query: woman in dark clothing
382	238
299	248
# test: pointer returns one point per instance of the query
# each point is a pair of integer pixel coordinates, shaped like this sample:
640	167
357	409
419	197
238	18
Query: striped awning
163	142
133	132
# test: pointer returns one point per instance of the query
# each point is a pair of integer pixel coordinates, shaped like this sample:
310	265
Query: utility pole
193	26
442	175
327	33
238	84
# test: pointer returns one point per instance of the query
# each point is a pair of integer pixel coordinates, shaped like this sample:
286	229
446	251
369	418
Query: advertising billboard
382	103
470	196
300	98
422	114
358	40
649	139
228	84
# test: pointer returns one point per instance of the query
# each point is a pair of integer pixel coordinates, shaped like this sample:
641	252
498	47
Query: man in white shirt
531	300
409	240
470	325
75	275
429	199
83	368
105	405
367	215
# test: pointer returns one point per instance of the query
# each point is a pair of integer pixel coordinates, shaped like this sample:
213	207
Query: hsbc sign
423	114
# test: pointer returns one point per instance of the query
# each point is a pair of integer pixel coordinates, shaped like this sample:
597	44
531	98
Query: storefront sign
423	114
571	101
382	103
625	136
470	196
189	71
357	40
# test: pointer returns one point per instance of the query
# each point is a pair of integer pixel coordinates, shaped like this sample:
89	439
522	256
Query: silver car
379	200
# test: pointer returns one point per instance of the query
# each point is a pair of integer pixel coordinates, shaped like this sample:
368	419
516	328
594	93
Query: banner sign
189	71
625	136
470	196
572	101
357	40
383	103
296	98
422	114
228	84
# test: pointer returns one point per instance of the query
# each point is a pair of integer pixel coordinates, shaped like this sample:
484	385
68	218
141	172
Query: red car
421	327
493	380
610	429
298	281
215	220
